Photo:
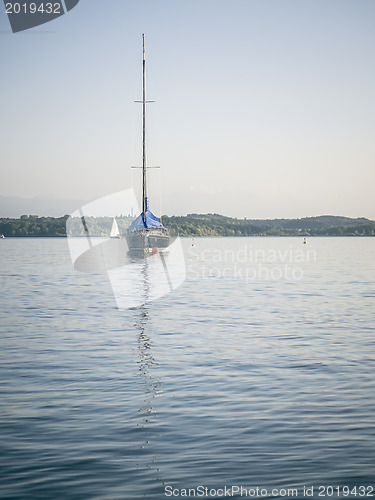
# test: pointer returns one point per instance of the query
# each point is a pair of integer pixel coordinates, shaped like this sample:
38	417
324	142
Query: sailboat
115	232
146	233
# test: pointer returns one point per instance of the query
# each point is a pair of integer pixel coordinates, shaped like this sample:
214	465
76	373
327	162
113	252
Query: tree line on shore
192	225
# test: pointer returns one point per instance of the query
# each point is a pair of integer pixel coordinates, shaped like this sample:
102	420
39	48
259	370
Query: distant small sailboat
2	236
115	232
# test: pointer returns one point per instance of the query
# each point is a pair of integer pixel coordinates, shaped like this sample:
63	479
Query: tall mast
144	166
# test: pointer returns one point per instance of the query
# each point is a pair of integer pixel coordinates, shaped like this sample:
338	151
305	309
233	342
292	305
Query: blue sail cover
150	221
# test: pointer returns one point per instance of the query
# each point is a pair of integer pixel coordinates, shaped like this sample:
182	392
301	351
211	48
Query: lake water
258	371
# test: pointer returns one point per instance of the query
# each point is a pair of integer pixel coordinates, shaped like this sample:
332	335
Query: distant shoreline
192	225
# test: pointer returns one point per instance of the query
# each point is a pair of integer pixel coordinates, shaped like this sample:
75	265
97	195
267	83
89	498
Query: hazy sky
264	108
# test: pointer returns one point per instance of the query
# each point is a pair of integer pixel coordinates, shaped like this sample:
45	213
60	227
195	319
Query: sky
264	108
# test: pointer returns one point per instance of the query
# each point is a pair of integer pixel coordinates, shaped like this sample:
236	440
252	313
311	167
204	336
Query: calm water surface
258	371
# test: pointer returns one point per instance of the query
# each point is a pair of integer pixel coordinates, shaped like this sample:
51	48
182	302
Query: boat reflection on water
151	386
146	362
164	272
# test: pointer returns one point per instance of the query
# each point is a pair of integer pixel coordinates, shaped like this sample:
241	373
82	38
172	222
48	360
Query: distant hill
219	225
194	225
